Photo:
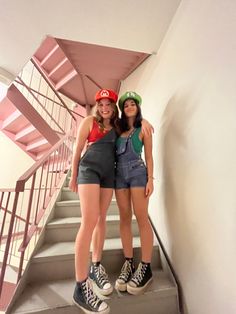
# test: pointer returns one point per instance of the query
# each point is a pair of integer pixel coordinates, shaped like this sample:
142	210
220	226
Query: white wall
189	94
13	162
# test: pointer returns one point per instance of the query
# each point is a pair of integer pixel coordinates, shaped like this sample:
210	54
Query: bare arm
147	140
81	139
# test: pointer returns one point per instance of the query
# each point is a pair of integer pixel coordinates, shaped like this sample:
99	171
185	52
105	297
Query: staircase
48	282
25	126
33	114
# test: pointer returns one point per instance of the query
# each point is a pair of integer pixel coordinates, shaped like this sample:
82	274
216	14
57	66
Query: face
130	108
105	108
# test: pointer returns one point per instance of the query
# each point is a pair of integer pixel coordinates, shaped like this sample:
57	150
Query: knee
89	224
125	217
101	222
142	219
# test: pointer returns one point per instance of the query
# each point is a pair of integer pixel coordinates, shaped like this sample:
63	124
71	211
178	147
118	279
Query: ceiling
82	45
78	70
136	25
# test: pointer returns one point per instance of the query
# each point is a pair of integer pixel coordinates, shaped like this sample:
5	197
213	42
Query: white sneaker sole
137	291
105	292
102	291
121	286
106	311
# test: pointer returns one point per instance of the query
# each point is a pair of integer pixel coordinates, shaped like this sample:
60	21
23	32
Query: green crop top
136	142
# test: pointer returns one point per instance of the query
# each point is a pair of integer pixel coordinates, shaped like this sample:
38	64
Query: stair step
65	229
71	208
50	276
56	260
28	134
67	194
15	122
38	145
55	297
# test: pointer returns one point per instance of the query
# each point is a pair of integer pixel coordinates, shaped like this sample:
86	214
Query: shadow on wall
177	123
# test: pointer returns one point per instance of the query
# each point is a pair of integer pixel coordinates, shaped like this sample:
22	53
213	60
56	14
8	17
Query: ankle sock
79	283
130	259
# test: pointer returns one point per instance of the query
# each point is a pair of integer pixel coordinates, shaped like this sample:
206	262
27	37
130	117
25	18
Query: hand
149	188
73	185
147	128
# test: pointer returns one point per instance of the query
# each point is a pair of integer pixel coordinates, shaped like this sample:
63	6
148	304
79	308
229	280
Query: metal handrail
33	60
180	295
40	104
33	191
39	91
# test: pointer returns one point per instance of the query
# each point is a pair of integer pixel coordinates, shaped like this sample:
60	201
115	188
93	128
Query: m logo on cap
104	93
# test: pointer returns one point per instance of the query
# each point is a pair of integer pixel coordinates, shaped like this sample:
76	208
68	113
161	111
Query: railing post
5	213
26	226
8	242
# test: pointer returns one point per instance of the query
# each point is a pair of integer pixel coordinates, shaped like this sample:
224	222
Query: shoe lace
125	271
91	298
101	274
139	274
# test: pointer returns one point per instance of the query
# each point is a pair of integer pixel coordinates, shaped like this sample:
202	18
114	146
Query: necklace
127	133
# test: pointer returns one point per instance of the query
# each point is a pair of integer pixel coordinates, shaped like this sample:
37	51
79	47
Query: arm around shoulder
147	128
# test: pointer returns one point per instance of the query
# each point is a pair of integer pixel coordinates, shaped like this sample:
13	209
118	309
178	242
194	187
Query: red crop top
96	133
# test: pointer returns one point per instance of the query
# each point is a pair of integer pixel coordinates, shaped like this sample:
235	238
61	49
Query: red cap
106	93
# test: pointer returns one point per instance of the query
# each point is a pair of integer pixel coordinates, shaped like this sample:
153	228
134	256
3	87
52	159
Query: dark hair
137	122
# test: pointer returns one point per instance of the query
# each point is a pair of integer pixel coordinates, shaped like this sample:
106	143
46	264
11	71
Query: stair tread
75	202
75	220
58	294
59	249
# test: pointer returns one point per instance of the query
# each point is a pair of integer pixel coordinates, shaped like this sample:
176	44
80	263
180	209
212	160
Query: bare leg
100	229
90	213
124	204
140	205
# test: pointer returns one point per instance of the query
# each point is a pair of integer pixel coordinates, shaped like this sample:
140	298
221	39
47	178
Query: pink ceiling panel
52	60
45	48
88	68
74	90
61	71
6	108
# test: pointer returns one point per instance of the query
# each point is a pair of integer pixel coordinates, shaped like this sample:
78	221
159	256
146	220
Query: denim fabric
130	168
98	163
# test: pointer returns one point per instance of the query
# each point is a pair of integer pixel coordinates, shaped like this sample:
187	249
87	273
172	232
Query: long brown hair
114	121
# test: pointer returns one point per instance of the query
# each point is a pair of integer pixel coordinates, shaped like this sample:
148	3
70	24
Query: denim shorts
131	174
87	175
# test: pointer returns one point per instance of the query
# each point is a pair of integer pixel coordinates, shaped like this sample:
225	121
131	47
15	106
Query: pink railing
41	94
24	210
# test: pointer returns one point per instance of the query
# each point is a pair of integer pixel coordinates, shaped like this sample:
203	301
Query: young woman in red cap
94	173
134	185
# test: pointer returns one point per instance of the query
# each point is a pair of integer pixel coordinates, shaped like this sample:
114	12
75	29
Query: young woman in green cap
134	186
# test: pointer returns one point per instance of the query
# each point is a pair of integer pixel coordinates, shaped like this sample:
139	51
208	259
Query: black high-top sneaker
140	279
126	273
99	276
85	298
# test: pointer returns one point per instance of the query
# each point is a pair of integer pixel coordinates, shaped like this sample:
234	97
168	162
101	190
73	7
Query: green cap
129	95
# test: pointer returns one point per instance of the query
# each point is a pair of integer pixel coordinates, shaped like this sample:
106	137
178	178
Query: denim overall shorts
97	166
130	168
